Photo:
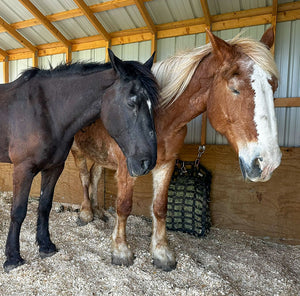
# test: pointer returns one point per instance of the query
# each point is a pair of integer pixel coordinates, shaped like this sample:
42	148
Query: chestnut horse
234	82
42	110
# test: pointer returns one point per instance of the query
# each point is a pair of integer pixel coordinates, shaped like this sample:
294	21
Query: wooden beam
6	70
3	53
145	14
44	21
75	13
192	26
287	102
206	13
207	19
35	59
9	29
92	18
108	45
274	22
154	46
69	55
286	12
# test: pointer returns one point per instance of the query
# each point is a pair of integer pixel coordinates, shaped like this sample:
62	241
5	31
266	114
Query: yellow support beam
143	11
274	22
9	29
92	18
207	19
44	21
6	70
180	28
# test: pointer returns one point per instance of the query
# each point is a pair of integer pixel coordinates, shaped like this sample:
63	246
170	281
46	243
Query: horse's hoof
164	258
98	212
165	266
79	222
122	255
85	217
48	251
122	261
11	264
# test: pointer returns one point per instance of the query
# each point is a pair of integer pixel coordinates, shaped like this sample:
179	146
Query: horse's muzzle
256	171
138	167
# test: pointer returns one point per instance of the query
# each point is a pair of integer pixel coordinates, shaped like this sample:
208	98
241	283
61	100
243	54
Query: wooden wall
270	209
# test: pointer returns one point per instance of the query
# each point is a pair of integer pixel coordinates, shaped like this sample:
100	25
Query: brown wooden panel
262	209
67	190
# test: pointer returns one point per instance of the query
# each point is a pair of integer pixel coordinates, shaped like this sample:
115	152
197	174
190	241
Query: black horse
40	113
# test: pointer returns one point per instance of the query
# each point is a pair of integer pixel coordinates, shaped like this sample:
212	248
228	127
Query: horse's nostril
151	134
145	164
258	161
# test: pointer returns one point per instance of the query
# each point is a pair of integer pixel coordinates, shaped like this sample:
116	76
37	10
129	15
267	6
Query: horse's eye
235	91
132	101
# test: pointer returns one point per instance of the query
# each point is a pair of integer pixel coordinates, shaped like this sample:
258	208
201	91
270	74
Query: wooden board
270	209
67	190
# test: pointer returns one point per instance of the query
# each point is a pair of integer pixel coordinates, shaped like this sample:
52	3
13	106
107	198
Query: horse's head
241	103
128	113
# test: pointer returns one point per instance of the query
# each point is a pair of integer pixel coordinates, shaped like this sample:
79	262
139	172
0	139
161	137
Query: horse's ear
149	63
268	38
220	47
116	63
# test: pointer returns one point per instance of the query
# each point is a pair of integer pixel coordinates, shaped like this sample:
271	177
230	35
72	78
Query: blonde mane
175	73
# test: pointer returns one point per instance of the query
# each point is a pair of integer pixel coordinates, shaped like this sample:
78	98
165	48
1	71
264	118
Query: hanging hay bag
188	199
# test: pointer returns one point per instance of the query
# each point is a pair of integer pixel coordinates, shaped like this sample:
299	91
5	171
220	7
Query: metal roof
115	18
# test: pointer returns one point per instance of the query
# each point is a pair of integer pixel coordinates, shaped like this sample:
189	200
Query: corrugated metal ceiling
129	17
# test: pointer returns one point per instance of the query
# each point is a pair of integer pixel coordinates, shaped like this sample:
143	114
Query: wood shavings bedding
225	262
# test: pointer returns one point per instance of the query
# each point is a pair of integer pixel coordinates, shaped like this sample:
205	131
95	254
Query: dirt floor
223	263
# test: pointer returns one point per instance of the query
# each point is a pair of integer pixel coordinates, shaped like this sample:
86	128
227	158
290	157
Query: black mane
65	69
132	70
136	70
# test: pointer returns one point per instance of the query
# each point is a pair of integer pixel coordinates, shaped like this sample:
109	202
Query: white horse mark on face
264	155
149	105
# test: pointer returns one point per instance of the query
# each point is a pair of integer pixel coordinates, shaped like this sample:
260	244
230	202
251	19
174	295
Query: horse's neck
189	105
79	104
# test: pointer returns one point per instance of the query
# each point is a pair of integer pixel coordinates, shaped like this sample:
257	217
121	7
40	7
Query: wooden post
154	45
35	59
6	70
207	19
69	54
274	22
108	44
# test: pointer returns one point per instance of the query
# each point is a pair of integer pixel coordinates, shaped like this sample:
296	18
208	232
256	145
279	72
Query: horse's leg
95	175
121	253
163	256
86	213
22	180
49	179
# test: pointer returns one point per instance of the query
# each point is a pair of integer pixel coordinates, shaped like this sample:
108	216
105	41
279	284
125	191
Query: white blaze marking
266	146
149	105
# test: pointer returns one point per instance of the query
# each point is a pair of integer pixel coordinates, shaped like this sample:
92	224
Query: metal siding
47	62
90	55
17	67
288	61
1	73
140	51
163	11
